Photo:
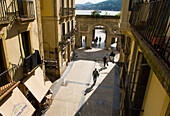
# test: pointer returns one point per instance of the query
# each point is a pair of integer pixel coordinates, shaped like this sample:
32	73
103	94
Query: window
26	43
68	26
71	3
62	3
4	78
139	83
67	3
2	66
63	29
72	25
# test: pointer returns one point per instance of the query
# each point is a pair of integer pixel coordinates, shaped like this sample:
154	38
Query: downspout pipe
55	37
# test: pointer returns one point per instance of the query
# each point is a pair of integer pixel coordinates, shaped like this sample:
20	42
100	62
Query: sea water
102	12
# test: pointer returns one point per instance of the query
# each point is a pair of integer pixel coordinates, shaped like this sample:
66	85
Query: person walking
96	39
104	61
95	75
100	39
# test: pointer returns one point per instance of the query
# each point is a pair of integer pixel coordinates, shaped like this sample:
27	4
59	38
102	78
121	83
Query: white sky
85	1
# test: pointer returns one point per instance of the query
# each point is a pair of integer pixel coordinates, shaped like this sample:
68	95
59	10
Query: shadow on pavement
104	101
103	68
88	90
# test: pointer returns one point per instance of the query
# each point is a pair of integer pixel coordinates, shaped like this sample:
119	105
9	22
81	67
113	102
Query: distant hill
81	5
113	5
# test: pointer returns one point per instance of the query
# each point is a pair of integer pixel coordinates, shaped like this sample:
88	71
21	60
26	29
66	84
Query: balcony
21	10
26	10
66	12
151	20
4	21
8	81
32	62
73	32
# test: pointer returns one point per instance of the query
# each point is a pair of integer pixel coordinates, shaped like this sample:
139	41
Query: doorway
114	43
83	41
99	37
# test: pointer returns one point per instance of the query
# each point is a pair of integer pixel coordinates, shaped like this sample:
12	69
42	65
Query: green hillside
113	5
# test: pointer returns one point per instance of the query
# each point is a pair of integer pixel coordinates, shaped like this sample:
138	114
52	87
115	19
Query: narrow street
77	96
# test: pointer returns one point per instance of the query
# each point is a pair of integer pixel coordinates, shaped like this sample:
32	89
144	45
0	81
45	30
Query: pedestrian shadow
103	68
88	90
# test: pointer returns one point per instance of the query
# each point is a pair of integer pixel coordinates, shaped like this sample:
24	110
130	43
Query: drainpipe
40	37
55	25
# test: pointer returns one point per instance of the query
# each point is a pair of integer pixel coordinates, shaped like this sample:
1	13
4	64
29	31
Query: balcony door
20	8
26	43
68	26
2	61
62	3
67	3
72	25
63	29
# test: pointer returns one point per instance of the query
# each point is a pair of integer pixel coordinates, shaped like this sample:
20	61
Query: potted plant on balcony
158	36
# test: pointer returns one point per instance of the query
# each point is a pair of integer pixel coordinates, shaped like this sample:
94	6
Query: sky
85	1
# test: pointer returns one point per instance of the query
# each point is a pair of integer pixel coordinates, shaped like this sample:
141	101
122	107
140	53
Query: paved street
77	96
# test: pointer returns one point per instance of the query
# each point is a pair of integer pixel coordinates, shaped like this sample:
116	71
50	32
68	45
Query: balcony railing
151	20
3	8
73	32
67	12
8	78
20	9
73	11
26	9
32	61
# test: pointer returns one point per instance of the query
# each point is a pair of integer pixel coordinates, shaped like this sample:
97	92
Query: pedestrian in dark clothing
105	61
95	75
100	39
96	39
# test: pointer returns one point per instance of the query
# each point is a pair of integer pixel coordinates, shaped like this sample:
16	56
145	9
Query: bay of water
102	12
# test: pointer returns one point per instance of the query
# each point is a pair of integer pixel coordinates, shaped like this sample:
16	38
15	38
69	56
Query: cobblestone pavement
74	93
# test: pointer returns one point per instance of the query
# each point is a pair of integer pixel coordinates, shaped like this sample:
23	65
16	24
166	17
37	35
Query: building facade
58	26
23	84
145	69
86	25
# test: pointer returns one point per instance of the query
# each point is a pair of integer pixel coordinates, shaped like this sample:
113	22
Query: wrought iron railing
151	20
20	9
72	11
64	12
67	12
32	61
8	76
26	9
73	31
3	9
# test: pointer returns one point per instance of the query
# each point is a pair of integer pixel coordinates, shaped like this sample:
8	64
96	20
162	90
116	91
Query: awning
17	105
37	86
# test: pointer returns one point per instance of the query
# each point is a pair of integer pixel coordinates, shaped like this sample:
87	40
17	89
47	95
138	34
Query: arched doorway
86	26
99	37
